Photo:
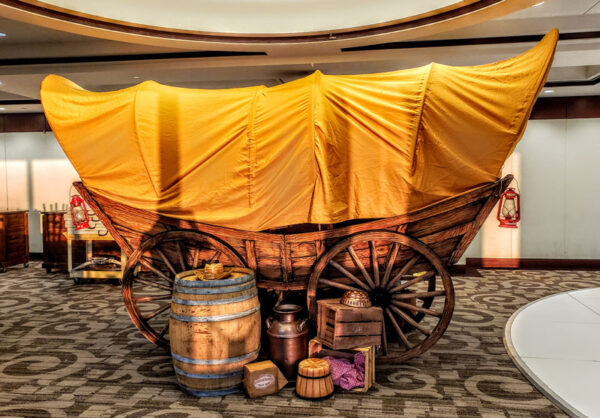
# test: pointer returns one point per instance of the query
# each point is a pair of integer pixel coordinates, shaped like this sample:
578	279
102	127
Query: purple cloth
345	374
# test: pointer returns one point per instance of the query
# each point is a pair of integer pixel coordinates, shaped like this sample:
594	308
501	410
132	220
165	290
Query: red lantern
79	213
509	209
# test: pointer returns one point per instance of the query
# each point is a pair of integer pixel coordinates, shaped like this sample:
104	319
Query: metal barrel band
215	318
314	377
227	360
215	283
214	392
208	376
215	301
217	291
322	398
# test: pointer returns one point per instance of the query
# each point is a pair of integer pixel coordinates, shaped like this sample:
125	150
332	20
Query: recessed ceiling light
549	91
136	76
2	34
538	4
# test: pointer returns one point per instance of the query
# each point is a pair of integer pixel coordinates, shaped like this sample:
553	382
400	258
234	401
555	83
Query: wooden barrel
314	379
214	330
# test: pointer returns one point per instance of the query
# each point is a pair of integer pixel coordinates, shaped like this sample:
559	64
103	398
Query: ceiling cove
186	23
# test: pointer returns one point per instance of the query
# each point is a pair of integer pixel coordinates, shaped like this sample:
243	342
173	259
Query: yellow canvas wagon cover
322	149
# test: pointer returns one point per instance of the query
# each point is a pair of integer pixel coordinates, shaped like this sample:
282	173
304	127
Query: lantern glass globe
78	214
509	209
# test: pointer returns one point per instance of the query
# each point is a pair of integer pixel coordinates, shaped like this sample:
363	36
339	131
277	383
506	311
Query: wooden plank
250	254
444	221
286	264
358	328
461	247
346	342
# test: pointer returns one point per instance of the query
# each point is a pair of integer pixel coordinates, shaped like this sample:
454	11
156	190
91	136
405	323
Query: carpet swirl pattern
69	350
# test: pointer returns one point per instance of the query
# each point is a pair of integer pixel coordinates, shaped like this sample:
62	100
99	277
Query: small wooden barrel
214	330
314	379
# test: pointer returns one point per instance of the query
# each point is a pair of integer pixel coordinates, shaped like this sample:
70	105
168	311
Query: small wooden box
344	327
263	378
316	349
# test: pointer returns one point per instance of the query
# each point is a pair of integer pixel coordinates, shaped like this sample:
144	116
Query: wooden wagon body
389	258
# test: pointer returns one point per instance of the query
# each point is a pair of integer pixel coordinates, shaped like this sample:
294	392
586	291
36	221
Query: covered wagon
328	183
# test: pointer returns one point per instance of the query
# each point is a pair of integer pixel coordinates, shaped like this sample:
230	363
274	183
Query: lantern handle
518	188
501	186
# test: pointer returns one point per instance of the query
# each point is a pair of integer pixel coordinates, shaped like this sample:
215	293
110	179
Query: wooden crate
344	327
316	349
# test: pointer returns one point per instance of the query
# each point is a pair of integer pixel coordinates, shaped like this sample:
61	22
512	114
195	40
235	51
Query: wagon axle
380	297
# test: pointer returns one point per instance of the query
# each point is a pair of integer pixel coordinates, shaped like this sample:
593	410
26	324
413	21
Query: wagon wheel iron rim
150	272
401	274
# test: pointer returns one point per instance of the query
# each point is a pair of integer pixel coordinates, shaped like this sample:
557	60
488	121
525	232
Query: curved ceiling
251	21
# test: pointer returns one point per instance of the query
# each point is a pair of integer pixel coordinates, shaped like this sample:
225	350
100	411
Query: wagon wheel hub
380	297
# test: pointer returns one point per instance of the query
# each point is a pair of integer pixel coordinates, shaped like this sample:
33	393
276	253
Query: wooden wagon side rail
285	261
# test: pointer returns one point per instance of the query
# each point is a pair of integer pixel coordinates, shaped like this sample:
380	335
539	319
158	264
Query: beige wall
557	164
34	174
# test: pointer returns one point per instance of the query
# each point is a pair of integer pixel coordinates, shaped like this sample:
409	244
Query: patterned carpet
69	350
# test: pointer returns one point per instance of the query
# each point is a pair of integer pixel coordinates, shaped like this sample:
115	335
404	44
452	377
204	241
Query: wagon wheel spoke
403	271
196	258
412	281
398	329
153	284
408	318
416	308
359	265
164	330
215	257
154	270
389	263
374	262
166	261
156	312
337	285
349	275
180	256
419	295
152	298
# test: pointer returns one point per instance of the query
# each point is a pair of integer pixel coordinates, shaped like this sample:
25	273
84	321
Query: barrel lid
232	276
314	367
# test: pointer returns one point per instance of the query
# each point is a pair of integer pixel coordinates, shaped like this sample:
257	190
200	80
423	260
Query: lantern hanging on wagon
79	213
509	209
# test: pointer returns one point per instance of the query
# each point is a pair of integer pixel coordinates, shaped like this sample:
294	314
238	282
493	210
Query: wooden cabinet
14	239
55	244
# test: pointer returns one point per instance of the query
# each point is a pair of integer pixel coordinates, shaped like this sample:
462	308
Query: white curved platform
555	342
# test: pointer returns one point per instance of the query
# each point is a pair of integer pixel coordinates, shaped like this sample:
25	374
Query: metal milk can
288	339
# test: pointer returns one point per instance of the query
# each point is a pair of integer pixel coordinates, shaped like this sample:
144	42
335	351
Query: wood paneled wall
581	107
24	122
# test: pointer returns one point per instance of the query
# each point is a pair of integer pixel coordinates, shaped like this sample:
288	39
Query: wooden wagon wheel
401	274
149	273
